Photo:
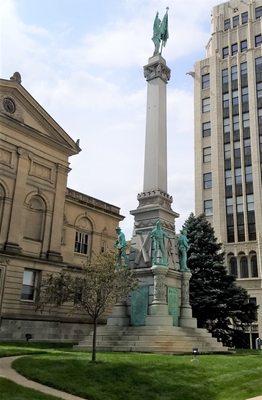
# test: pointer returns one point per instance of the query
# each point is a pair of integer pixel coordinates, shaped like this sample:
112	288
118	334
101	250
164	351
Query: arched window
254	269
233	266
83	236
243	267
34	220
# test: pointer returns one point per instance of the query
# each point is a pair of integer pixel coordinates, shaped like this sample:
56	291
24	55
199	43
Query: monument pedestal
186	320
119	315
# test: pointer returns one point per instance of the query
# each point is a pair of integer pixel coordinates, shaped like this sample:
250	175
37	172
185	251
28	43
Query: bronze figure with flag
160	32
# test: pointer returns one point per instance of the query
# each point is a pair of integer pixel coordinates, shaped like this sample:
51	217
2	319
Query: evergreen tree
218	303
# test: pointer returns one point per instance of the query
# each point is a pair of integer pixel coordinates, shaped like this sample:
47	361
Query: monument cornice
157	68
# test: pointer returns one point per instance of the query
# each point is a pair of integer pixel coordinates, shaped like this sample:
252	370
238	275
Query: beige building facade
45	227
228	141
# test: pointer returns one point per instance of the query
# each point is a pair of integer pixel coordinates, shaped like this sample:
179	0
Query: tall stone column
15	227
186	319
157	75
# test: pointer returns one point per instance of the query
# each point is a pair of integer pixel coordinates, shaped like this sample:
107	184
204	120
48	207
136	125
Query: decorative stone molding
157	70
22	153
160	288
6	157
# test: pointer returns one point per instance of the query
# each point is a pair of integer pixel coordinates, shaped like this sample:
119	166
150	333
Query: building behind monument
228	142
45	227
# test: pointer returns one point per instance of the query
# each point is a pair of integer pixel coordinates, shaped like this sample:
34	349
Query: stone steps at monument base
150	330
167	340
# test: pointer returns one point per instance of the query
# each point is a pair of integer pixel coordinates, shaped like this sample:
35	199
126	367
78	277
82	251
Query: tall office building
228	141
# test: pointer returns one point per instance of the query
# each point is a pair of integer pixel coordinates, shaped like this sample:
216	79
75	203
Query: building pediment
20	111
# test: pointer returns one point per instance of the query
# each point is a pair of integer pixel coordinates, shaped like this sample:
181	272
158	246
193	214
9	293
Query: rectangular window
228	175
208	207
207	180
259	90
258	40
249	175
227	151
29	285
226	127
206	129
226	100
246	122
243	46
258	12
235	101
224	76
205	81
235	21
206	105
225	52
245	95
207	154
238	176
250	202
240	205
227	24
81	242
234	74
234	49
236	123
243	68
229	206
244	17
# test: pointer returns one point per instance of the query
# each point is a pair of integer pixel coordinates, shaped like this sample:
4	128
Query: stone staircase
153	339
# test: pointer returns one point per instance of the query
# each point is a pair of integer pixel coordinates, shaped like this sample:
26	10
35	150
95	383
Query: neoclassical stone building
228	141
44	226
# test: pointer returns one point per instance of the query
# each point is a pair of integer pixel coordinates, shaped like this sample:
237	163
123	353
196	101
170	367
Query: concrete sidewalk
7	372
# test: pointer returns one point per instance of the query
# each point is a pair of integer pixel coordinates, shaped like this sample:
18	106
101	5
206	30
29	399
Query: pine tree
217	302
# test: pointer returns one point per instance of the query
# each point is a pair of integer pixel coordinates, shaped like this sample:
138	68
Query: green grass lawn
22	348
139	376
11	391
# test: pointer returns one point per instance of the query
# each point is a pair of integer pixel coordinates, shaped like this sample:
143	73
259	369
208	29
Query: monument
157	317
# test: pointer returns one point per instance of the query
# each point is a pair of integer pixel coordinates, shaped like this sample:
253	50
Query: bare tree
97	287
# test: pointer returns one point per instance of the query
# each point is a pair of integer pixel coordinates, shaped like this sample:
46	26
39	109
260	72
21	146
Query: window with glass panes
247	151
254	267
258	12
235	21
225	52
236	132
243	46
230	220
228	177
207	154
243	267
81	242
259	69
233	267
238	176
205	81
234	74
29	285
226	128
206	129
235	102
206	105
258	40
259	90
244	18
208	207
207	180
226	100
227	24
244	95
234	48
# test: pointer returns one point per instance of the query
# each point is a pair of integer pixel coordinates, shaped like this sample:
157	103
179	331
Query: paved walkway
256	398
7	372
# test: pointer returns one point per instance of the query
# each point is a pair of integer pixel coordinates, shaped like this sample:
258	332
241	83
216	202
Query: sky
82	60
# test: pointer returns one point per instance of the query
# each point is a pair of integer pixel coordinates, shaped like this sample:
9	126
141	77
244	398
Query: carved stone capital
22	153
157	70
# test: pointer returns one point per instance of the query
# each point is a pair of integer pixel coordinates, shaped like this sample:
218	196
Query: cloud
94	88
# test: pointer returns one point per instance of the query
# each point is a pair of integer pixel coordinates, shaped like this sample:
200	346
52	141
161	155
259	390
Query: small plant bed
12	391
130	376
